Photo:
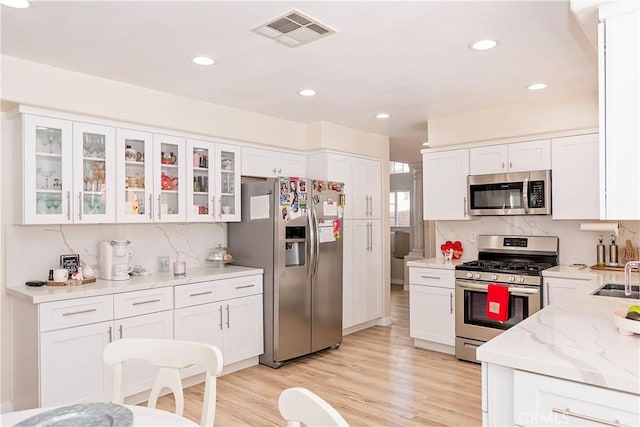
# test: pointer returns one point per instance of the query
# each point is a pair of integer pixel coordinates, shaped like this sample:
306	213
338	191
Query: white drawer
432	277
198	293
129	304
75	312
241	286
541	400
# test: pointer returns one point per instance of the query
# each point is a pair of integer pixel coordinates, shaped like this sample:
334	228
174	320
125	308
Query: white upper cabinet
575	177
515	157
68	172
169	178
134	154
201	181
227	166
445	184
619	78
272	163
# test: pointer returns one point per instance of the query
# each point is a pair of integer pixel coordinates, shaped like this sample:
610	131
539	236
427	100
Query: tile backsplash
575	246
32	250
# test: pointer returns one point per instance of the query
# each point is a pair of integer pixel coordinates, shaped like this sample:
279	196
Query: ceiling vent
293	29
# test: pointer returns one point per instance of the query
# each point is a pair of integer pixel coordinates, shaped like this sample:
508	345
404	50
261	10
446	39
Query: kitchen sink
617	290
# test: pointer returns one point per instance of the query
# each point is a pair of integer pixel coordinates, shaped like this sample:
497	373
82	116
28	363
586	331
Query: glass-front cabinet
169	178
47	170
201	181
227	160
134	151
94	173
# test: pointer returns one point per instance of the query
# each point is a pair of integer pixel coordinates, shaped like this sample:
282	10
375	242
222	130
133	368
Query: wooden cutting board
629	253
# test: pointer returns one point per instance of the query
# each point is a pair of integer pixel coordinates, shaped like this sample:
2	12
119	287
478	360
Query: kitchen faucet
627	275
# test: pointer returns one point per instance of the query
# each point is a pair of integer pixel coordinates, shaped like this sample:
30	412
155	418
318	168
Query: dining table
142	416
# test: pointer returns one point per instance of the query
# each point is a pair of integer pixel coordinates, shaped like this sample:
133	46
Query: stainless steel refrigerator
292	228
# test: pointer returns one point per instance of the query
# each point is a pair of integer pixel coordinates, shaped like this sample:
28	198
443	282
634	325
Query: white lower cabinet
431	308
557	289
542	400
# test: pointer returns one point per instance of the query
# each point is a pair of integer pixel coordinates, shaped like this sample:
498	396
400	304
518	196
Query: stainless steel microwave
517	193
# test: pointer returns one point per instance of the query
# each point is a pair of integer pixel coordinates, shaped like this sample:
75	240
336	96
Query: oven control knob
520	279
512	279
469	275
494	277
476	275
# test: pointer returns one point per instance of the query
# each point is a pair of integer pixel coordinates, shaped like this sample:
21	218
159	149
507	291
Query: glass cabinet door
169	178
134	153
200	180
228	183
94	173
47	170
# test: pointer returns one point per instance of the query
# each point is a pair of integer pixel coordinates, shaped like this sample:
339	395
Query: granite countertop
440	263
37	295
575	340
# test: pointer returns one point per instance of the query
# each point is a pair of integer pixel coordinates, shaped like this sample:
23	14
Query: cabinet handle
151	301
370	205
510	165
159	208
568	413
546	289
430	277
245	286
150	206
110	334
220	308
69	205
197	294
502	165
73	313
274	171
120	329
213	207
465	206
80	205
228	318
451	302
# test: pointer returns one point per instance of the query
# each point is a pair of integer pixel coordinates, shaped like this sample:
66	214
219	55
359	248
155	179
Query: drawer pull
151	301
245	286
568	413
197	294
430	277
73	313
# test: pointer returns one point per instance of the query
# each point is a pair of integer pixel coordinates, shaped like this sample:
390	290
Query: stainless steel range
513	261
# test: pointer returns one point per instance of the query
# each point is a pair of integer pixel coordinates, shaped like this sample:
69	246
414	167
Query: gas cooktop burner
532	268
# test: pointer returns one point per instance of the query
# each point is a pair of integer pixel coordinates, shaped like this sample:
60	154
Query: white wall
575	246
540	116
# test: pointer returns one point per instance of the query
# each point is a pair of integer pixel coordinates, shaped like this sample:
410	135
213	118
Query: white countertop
440	263
574	340
37	295
565	271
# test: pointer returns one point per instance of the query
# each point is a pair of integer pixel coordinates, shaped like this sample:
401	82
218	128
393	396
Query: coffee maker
114	260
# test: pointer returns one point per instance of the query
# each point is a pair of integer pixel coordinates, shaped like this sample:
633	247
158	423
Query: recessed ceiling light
483	44
382	116
203	60
536	86
307	92
18	4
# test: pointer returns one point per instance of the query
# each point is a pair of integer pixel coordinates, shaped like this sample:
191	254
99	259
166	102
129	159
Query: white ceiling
409	59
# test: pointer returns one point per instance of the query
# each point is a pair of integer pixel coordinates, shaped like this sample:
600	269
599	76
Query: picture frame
70	262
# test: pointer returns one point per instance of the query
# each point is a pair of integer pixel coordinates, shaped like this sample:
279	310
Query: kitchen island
565	365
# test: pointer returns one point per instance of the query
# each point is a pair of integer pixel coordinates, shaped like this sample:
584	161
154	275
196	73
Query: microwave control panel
536	194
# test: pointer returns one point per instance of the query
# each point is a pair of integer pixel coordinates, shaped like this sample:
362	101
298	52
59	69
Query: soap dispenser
613	252
600	253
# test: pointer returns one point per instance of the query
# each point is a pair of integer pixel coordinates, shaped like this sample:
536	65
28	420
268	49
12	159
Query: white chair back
169	356
300	406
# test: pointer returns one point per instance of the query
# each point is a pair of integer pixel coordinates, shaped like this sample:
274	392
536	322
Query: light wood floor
376	378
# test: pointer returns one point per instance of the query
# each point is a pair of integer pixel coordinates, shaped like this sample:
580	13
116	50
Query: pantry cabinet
619	68
272	163
575	177
66	170
432	311
445	184
515	157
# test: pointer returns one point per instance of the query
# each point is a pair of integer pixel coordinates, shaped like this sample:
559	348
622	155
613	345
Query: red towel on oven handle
498	302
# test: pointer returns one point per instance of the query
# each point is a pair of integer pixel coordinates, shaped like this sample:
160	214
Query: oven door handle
512	289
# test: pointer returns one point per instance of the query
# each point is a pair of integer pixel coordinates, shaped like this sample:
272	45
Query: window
397	167
400	208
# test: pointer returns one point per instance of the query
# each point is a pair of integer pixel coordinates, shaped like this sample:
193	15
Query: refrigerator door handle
312	245
316	244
